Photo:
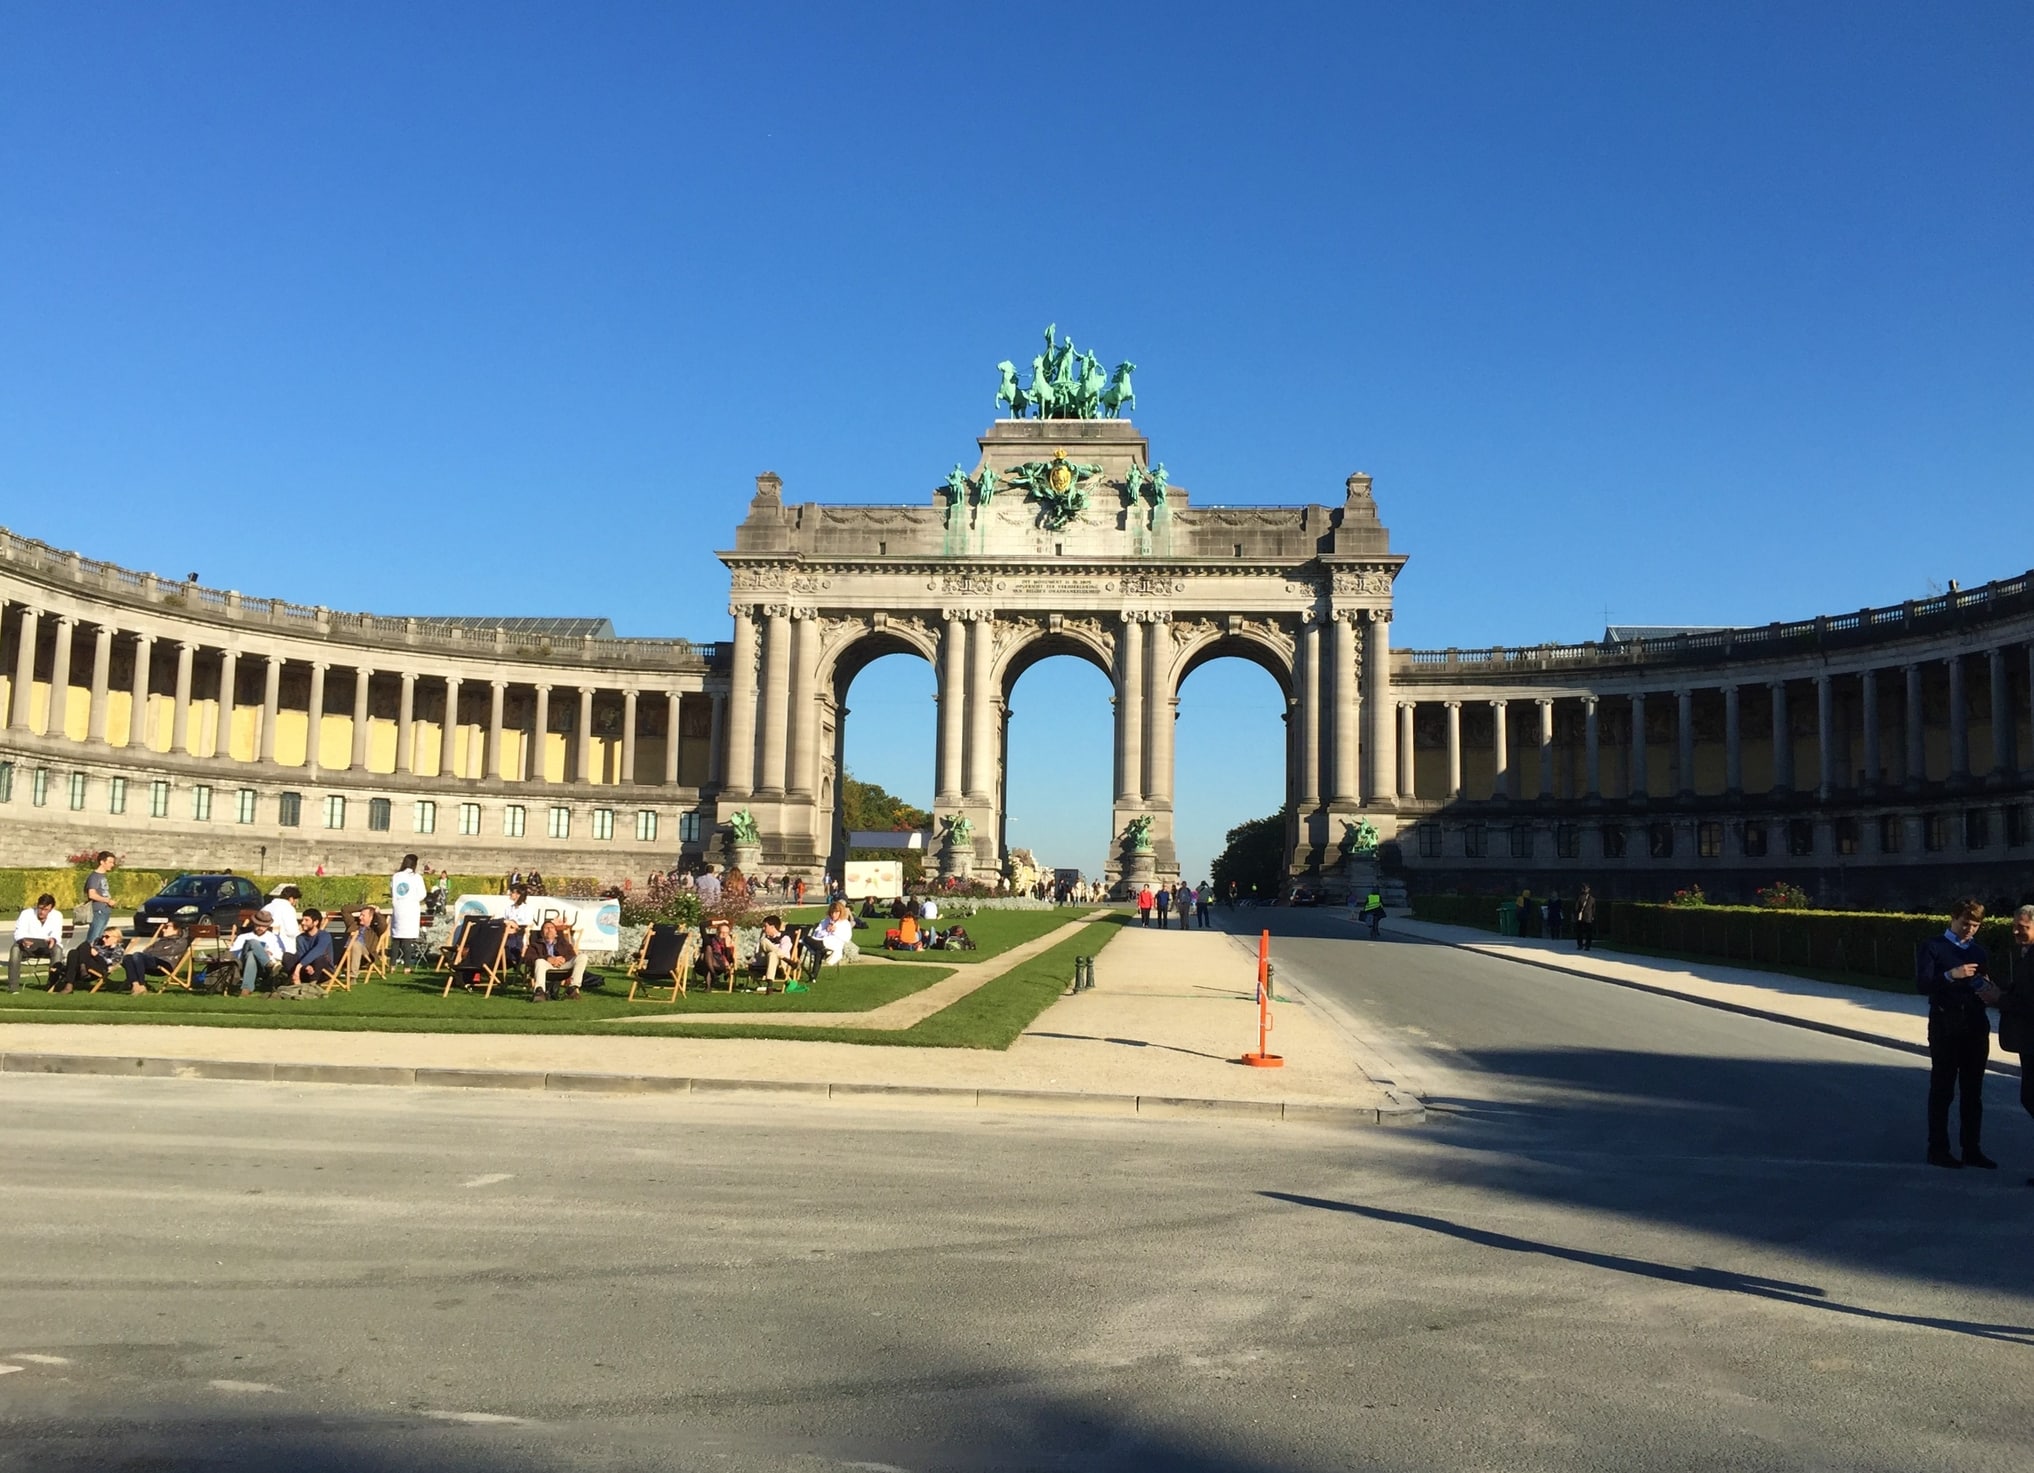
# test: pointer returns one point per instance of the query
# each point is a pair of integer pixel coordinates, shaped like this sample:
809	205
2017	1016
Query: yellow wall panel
246	734
156	722
290	730
204	726
119	710
557	750
335	740
38	706
381	745
78	719
430	741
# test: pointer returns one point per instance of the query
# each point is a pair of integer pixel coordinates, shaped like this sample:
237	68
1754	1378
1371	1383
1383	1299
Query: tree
1254	857
867	806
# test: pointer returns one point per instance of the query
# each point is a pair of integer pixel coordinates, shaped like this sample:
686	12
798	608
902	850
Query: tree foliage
868	806
1253	857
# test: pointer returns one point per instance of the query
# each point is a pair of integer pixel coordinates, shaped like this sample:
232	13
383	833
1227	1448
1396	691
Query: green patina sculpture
1066	384
1138	832
956	830
1358	838
743	826
1059	486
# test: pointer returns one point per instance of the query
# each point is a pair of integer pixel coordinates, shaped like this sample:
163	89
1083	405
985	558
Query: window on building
2016	825
201	802
1430	840
513	817
1473	841
603	823
1568	841
469	818
379	814
1660	840
1521	841
425	819
1977	829
1754	840
1709	840
158	799
289	810
557	824
688	828
6	782
1846	836
1613	841
1800	837
116	795
77	790
1889	833
335	811
38	787
1935	832
243	806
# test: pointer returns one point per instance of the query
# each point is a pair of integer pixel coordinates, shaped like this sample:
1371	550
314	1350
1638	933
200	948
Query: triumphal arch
1064	537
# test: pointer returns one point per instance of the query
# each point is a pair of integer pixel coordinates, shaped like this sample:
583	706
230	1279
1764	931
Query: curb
1037	1101
1837	1030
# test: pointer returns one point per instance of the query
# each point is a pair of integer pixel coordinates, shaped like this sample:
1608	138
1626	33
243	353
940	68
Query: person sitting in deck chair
38	932
312	962
522	921
91	962
721	954
363	928
160	956
259	952
774	950
551	950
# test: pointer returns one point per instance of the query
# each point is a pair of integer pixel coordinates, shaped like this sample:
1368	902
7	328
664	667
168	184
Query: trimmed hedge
1865	943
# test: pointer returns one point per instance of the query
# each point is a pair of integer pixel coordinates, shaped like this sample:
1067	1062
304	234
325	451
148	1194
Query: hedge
1866	943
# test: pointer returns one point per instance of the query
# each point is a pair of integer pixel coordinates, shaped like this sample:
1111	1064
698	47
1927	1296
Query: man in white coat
406	911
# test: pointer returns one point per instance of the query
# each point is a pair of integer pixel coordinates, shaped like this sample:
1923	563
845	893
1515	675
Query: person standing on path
406	911
1204	905
2013	975
1145	900
1585	920
99	895
1373	913
1164	904
1950	971
1555	911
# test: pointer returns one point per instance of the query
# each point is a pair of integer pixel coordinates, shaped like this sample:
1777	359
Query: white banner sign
596	923
882	878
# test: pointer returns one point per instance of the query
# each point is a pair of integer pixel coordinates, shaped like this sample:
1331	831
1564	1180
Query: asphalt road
1639	1235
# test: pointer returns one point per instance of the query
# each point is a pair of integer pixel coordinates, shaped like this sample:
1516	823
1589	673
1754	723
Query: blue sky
1704	314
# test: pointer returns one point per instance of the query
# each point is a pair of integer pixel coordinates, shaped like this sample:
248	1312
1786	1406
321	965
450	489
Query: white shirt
405	905
834	934
929	911
523	915
28	926
282	917
268	941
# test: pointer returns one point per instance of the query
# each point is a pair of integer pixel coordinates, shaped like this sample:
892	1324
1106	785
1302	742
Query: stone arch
1032	641
1262	642
850	646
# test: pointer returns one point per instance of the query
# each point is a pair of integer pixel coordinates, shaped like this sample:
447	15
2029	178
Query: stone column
1454	790
773	753
804	771
493	761
1160	712
229	682
741	709
1346	716
1546	748
314	714
1638	745
979	776
540	729
716	741
24	671
1130	712
583	749
1592	748
1733	743
1783	739
1500	748
1310	716
1917	742
1377	706
2002	717
1868	700
271	697
1684	742
1408	773
950	749
406	725
102	671
628	758
180	722
674	705
1959	723
448	735
1825	736
60	679
363	688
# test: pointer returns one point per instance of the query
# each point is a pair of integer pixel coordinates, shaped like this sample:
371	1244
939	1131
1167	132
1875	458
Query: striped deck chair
664	959
479	948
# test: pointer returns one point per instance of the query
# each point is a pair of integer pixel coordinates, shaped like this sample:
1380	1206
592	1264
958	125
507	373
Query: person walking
1554	914
99	896
1145	901
2013	975
406	912
1164	904
1585	920
1373	912
1949	970
1204	905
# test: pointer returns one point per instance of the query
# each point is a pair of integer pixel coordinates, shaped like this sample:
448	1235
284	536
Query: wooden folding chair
134	944
479	948
363	956
185	970
666	956
796	967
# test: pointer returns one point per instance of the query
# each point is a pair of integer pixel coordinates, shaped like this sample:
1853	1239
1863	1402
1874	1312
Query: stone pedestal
748	858
1140	868
957	862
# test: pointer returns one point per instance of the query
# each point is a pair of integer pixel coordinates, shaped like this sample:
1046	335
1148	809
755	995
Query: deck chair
363	956
183	973
798	967
136	944
664	959
479	947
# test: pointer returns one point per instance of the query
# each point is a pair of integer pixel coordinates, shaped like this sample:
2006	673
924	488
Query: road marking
480	1419
242	1386
41	1360
490	1179
10	1370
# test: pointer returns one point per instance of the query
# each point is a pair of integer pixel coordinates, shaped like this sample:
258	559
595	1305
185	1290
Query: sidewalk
1895	1019
1157	1035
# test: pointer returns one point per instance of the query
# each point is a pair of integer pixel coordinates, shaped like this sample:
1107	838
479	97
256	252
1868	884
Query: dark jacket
2013	972
1949	997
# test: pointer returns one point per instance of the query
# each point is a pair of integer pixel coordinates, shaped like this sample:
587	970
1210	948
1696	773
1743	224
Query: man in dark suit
2013	973
1950	971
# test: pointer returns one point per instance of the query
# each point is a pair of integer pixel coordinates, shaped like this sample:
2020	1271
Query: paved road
1642	1236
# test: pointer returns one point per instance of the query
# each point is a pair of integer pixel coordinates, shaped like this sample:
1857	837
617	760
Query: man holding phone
1950	971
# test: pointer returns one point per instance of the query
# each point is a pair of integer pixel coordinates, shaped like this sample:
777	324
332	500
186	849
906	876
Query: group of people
777	948
1961	982
1178	899
1550	916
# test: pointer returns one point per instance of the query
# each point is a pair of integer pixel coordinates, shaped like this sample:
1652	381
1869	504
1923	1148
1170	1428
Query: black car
189	898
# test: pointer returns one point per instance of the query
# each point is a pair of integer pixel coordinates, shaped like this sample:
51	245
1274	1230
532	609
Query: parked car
217	898
1301	895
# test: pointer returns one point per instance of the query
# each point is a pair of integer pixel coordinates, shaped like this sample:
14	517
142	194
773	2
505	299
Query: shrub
1782	896
1691	896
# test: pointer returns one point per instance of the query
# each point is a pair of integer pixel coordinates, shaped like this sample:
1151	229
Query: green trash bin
1507	918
